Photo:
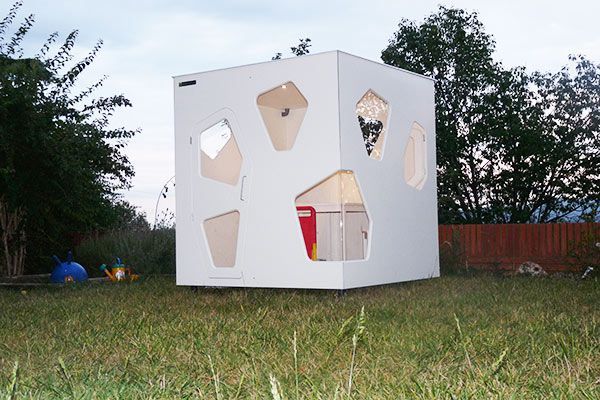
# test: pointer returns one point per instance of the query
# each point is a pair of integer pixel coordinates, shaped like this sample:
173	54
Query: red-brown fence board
506	246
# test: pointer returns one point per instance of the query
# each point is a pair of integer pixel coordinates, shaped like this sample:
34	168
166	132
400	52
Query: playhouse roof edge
387	65
307	55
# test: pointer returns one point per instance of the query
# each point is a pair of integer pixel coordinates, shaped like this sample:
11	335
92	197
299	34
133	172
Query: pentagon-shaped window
282	110
415	157
334	220
372	112
222	238
220	157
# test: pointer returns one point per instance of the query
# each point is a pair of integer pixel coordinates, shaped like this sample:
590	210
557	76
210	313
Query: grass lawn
453	337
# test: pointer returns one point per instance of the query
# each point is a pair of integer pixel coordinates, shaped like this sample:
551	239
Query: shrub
586	252
452	256
146	251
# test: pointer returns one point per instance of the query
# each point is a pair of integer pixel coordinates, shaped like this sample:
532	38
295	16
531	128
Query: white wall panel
270	246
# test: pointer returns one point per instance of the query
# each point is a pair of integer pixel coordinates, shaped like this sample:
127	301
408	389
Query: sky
146	43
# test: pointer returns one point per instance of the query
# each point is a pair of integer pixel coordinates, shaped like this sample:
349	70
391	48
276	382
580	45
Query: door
220	188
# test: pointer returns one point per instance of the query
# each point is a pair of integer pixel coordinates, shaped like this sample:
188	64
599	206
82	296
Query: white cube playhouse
310	172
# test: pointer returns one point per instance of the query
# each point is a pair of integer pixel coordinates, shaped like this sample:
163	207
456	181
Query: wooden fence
506	246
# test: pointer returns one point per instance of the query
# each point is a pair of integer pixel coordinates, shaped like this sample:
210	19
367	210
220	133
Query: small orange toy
119	272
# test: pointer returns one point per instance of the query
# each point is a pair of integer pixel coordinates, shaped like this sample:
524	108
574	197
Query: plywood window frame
373	107
282	110
221	234
332	201
415	157
225	163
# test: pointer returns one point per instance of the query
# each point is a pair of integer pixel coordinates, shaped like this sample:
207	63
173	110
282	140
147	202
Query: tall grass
457	337
146	251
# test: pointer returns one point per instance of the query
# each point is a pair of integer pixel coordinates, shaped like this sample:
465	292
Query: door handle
243	189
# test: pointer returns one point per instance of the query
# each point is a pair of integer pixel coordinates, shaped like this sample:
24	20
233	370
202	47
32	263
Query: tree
511	146
300	50
61	164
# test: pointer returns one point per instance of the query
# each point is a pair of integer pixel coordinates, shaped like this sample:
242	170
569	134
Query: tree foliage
512	146
371	129
303	48
61	162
